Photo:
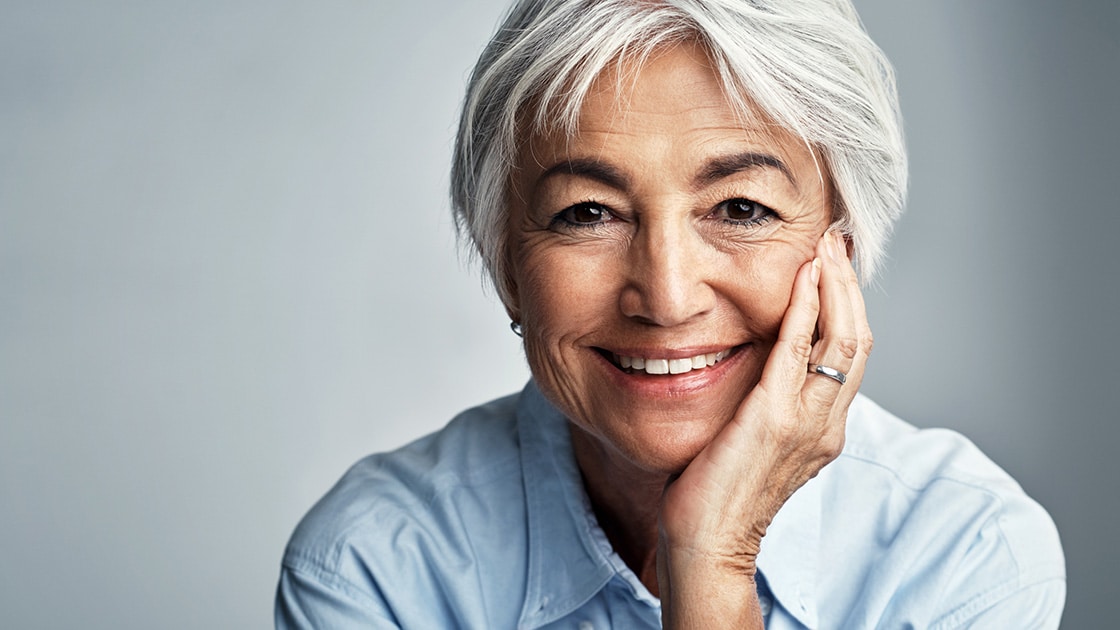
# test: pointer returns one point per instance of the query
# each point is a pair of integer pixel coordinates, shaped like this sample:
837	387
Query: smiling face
653	254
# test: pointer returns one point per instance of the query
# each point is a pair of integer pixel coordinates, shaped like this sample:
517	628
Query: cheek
564	299
761	294
562	293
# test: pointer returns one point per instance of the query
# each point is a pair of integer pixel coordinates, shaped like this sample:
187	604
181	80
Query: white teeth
671	366
680	366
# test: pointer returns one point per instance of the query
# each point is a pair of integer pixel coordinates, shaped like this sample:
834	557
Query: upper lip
668	353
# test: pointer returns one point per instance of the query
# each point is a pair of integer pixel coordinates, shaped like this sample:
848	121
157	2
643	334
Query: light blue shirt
485	524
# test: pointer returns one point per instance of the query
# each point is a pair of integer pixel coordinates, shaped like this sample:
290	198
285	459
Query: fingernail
815	272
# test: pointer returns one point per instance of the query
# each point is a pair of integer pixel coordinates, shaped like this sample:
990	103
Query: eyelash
563	218
760	214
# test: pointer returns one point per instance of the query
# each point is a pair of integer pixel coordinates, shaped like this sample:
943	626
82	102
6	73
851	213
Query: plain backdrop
227	271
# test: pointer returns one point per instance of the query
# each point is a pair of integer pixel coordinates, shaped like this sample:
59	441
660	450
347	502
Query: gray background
227	271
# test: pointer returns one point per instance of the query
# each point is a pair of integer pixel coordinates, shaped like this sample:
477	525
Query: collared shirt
485	524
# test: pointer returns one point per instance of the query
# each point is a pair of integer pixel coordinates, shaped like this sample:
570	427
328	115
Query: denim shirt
485	524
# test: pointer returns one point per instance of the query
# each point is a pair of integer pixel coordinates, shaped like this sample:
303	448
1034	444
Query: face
653	255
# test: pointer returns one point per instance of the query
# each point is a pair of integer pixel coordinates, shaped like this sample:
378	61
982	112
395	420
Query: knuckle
847	346
789	428
810	309
867	342
832	446
852	279
801	345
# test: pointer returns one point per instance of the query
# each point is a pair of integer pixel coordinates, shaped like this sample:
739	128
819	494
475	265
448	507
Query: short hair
806	65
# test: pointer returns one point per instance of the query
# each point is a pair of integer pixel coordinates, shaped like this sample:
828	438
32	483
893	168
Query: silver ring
831	373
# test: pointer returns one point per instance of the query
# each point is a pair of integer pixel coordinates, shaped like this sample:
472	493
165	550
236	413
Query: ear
508	292
512	311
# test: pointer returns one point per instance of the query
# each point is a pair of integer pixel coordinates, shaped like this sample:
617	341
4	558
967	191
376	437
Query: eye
585	214
743	212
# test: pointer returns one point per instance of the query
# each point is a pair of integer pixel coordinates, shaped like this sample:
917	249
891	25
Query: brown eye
584	214
743	212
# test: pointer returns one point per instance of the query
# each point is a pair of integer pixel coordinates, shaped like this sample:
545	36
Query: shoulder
933	517
475	448
418	516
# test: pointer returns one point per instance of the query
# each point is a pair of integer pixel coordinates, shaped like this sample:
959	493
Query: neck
626	501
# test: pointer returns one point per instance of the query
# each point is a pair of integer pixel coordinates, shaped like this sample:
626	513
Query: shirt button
586	625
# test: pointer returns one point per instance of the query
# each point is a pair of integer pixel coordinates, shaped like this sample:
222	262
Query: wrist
705	590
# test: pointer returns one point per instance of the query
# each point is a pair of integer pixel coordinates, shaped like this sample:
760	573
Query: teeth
680	366
671	366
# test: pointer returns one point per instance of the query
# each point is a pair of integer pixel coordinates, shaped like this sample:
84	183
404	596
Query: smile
657	366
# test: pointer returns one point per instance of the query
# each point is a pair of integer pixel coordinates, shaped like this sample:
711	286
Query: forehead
673	101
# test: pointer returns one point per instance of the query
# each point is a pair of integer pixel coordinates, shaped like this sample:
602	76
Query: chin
667	448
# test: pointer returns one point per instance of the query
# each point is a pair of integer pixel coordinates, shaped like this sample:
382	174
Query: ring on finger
831	373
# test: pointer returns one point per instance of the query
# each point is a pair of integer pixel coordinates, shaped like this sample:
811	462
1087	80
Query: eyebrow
715	170
728	165
592	169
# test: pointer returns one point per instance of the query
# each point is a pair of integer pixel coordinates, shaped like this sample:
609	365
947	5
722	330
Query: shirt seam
986	600
1023	578
994	595
311	568
438	493
928	482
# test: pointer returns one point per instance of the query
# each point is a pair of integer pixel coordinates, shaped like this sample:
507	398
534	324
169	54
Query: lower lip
673	385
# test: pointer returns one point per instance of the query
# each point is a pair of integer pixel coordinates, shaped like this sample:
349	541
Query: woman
668	196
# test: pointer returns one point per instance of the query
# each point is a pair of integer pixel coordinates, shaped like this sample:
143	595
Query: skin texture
666	227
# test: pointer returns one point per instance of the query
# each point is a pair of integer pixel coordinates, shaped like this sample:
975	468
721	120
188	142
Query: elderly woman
669	196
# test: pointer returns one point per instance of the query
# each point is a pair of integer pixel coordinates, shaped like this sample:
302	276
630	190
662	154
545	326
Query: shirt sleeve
1038	606
308	598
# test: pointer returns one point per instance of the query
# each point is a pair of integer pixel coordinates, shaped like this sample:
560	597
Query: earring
516	328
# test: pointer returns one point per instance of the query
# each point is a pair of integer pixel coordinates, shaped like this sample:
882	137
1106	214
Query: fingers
785	369
826	299
838	347
863	329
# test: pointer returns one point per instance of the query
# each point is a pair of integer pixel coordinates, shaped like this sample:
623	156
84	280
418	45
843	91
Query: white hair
806	65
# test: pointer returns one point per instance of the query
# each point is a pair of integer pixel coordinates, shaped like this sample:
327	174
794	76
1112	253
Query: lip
670	385
674	353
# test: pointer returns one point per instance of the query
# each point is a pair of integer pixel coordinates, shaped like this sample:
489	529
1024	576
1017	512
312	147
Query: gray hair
807	65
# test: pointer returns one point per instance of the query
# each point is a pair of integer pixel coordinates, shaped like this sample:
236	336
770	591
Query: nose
668	281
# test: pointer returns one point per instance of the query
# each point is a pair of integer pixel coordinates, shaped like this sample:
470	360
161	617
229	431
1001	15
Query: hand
714	515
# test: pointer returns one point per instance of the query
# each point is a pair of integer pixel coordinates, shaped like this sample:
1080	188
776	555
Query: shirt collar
566	565
570	559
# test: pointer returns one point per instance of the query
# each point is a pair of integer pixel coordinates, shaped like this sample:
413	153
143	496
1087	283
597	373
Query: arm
714	515
1035	606
309	598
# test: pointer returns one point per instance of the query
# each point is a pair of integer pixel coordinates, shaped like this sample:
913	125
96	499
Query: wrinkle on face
661	148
